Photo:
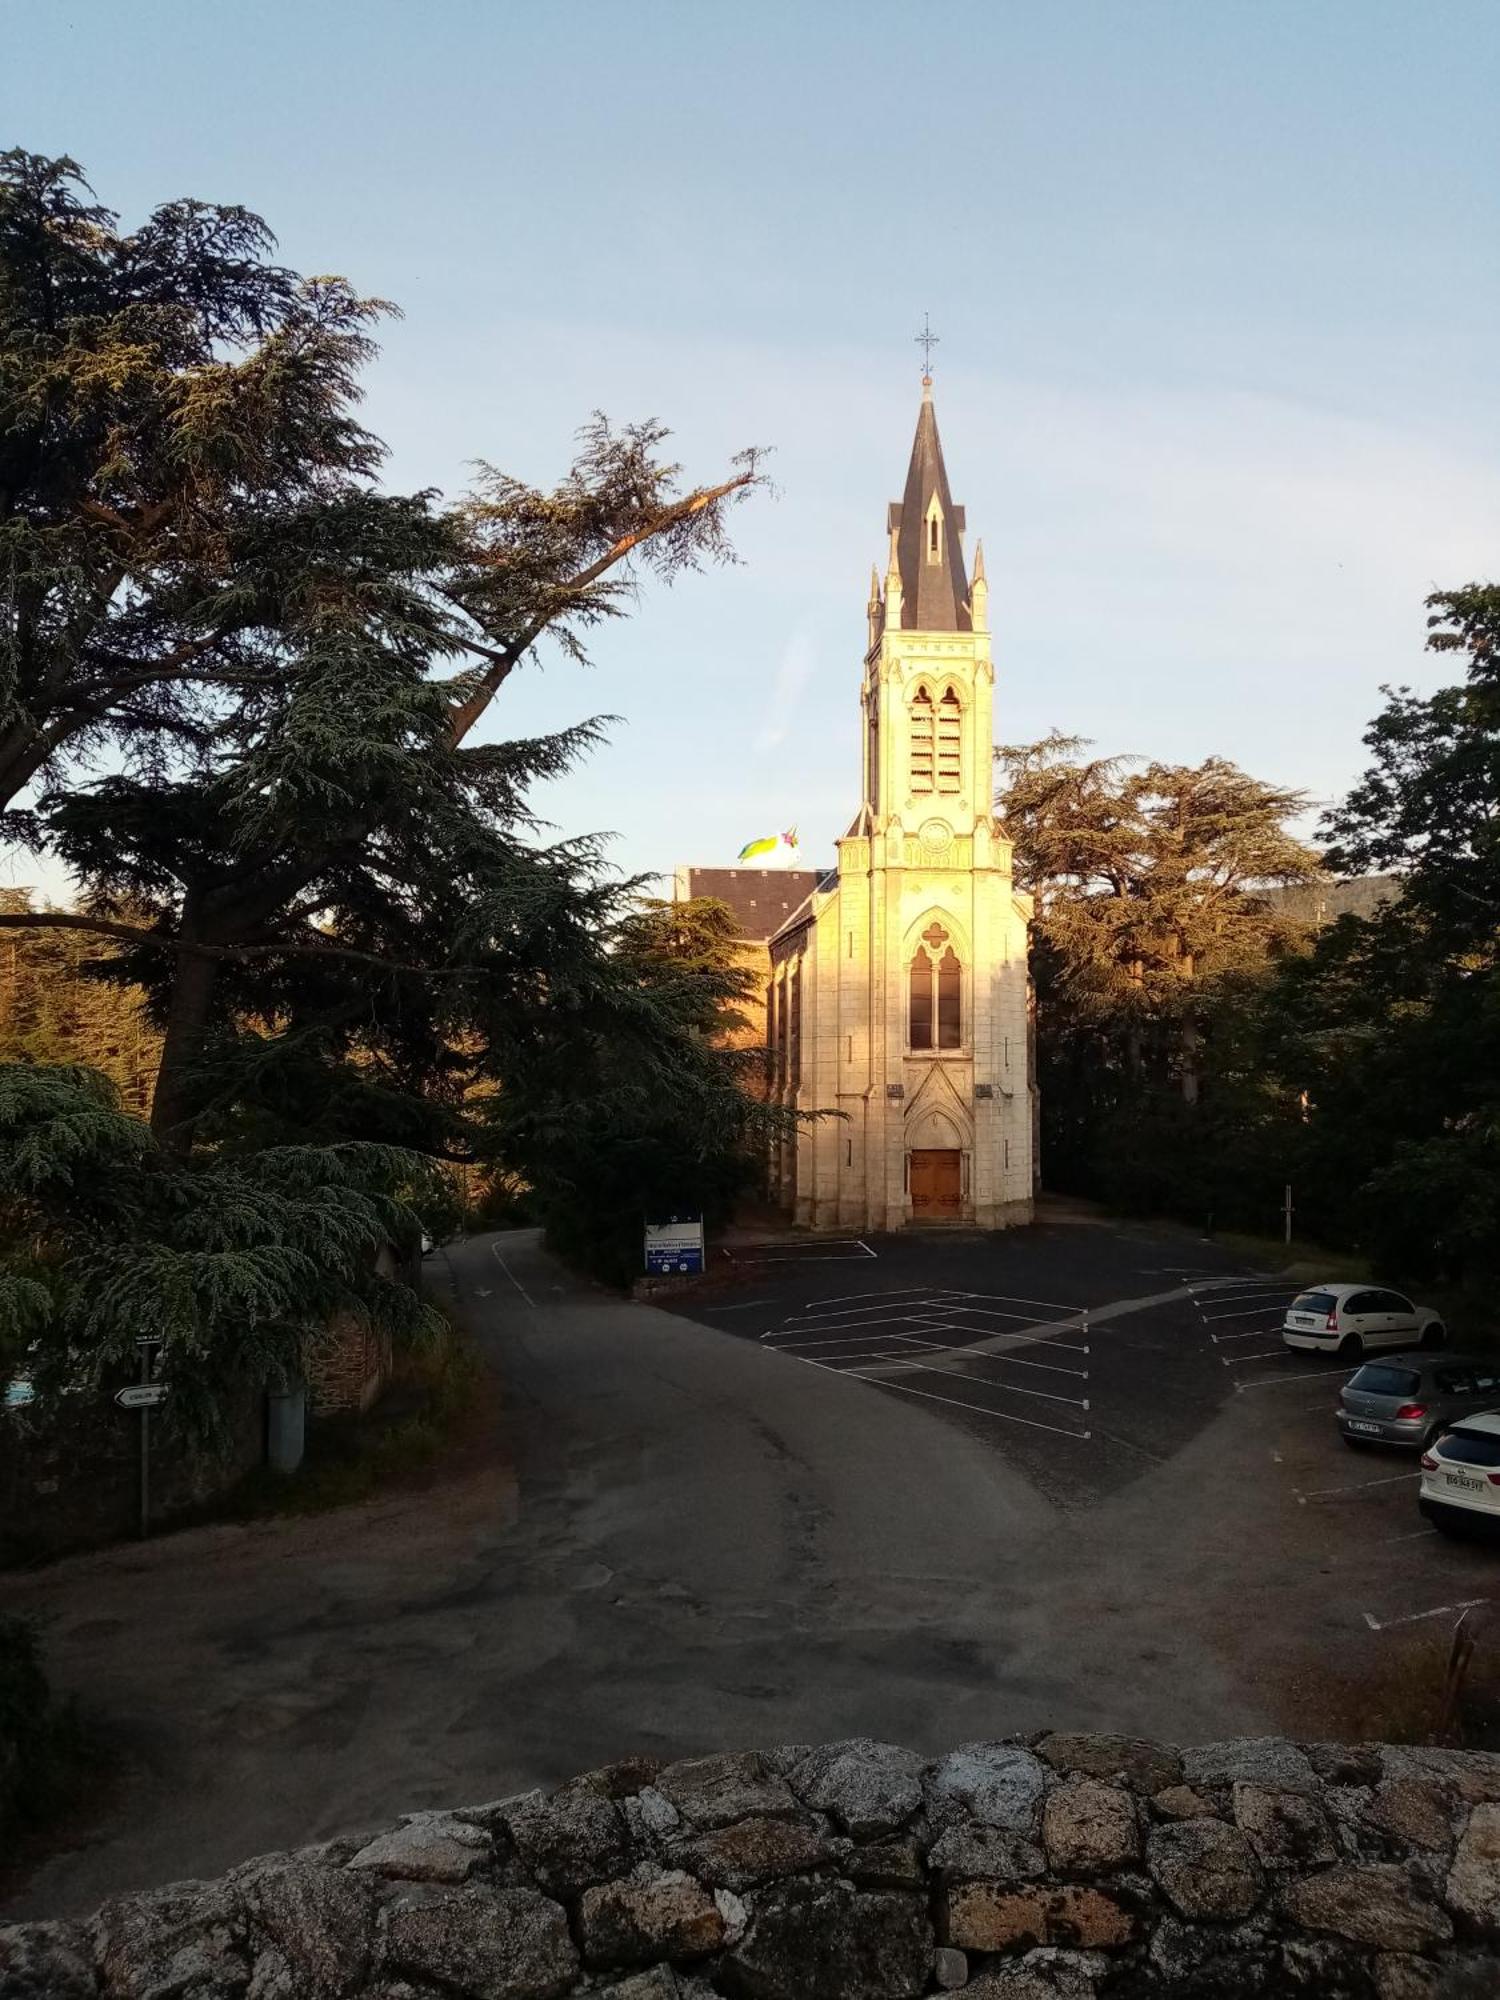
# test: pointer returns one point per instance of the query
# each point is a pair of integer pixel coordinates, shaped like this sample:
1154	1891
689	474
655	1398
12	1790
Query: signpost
675	1244
142	1396
145	1396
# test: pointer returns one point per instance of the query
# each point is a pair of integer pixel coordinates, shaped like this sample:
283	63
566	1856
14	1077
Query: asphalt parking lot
1112	1364
1360	1505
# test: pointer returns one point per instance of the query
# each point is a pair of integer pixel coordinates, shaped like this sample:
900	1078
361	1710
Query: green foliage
333	897
637	1106
1152	901
437	1392
42	1751
288	663
176	440
53	1009
234	1264
1360	1062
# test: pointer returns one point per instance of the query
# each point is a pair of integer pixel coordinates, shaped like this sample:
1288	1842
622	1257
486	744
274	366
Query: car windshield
1471	1448
1377	1381
1313	1302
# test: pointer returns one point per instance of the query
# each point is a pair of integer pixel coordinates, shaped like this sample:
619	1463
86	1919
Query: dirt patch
1390	1689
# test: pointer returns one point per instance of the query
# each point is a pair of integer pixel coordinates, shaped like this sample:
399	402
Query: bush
41	1747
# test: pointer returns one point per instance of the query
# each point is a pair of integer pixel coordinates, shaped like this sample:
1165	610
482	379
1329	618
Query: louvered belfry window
949	743
922	740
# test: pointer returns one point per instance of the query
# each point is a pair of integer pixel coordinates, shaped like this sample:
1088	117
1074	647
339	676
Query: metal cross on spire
926	340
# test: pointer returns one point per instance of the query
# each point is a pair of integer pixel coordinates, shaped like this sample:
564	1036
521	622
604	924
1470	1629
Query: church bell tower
902	984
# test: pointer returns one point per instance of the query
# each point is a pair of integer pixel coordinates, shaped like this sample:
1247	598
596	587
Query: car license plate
1369	1430
1468	1485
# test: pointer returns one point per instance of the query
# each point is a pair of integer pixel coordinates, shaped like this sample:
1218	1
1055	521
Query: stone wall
70	1471
1062	1868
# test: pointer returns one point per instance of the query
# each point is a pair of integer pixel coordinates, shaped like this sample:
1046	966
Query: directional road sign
142	1396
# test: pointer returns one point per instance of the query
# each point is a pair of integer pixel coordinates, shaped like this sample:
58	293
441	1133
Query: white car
1461	1476
1353	1320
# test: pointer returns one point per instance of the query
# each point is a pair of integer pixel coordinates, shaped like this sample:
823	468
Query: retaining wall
70	1471
1061	1868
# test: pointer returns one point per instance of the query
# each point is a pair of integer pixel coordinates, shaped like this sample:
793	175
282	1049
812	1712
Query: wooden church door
936	1186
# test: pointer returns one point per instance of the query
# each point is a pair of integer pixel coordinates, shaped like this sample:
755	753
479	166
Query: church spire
926	529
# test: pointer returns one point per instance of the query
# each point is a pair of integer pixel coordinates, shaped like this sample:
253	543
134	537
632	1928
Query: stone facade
899	996
1061	1867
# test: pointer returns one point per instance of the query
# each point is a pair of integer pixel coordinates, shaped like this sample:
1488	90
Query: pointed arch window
935	1002
950	739
923	739
934	531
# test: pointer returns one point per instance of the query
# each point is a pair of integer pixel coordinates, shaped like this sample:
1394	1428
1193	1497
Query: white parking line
1271	1381
853	1327
914	1303
1355	1486
1015	1361
1244	1314
1010	1299
856	1256
958	1403
1252	1333
842	1340
745	1307
1246	1287
1412	1535
989	1312
1239	1360
1415	1617
1053	1346
868	1316
879	1292
1006	1388
837	1362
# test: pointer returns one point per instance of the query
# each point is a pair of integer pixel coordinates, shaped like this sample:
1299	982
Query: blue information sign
675	1244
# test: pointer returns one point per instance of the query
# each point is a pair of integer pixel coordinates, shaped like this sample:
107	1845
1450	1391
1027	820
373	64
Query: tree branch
505	659
71	920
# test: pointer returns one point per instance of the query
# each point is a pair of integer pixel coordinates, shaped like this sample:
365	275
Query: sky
1216	286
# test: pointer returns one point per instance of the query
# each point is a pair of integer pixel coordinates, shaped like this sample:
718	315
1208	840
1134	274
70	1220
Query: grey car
1410	1398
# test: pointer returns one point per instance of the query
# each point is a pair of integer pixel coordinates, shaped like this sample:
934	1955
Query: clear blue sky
1217	287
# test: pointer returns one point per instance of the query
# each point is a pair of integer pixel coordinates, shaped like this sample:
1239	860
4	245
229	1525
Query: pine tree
235	1265
1151	902
200	571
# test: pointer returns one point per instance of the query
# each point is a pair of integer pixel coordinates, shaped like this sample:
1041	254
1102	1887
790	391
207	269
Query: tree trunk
1189	1060
175	1102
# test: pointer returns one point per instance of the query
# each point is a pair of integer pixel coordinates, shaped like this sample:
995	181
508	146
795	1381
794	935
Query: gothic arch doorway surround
935	1168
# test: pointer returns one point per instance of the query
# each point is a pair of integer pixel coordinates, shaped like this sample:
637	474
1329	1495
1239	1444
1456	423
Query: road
677	1540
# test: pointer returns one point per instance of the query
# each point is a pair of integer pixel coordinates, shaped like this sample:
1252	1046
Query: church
897	988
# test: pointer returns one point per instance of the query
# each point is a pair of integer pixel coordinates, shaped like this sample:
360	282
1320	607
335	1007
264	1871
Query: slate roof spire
927	528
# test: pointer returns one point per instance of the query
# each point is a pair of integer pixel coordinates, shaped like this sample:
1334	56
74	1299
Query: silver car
1410	1398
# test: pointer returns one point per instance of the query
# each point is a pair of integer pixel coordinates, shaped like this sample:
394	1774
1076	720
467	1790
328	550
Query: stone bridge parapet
1064	1867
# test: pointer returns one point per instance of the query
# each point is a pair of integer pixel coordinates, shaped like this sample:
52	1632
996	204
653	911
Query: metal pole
145	1450
1287	1213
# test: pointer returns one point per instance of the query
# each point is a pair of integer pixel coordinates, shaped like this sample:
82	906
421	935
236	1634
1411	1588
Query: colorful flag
772	845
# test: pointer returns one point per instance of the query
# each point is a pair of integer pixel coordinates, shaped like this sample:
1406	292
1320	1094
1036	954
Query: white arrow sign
142	1396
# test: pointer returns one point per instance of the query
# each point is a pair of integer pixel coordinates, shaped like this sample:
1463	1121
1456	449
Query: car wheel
1351	1348
1434	1334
